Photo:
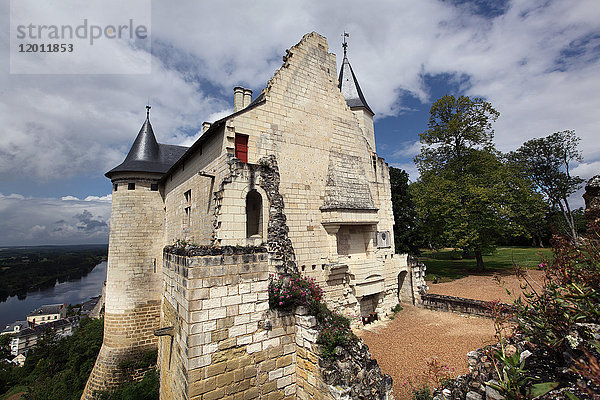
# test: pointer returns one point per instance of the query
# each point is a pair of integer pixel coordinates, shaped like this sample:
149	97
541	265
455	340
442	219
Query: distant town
55	319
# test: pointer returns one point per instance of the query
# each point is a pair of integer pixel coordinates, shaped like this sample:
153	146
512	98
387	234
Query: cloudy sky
537	62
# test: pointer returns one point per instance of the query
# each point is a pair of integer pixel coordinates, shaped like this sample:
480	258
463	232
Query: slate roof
147	155
46	309
11	327
350	88
346	188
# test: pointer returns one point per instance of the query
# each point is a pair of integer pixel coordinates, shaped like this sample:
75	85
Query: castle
289	182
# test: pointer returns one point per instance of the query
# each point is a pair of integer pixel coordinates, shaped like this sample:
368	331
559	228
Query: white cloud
107	198
537	63
35	221
408	149
62	125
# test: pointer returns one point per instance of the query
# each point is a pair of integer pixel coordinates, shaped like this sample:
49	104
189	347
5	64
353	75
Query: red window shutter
241	147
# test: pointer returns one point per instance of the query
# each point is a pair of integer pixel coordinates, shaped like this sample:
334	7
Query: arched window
253	214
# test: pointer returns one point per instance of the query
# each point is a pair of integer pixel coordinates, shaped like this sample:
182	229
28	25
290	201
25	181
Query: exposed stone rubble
540	365
353	374
278	241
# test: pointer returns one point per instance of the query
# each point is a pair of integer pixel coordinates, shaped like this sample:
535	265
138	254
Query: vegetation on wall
287	292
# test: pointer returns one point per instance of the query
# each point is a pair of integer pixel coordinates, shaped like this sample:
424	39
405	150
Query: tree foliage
407	236
458	191
547	163
58	368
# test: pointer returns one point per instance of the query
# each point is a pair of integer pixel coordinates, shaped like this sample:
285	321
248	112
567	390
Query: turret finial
344	43
148	111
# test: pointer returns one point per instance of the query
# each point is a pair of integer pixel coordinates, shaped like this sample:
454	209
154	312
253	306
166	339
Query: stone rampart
219	338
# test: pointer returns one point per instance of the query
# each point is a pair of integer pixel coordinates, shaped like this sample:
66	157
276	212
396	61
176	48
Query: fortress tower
133	282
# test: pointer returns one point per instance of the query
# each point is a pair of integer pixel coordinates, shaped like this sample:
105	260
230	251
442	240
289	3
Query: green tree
527	220
406	232
462	192
547	162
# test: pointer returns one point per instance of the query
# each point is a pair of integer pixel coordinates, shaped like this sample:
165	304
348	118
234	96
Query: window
186	221
115	186
154	187
187	208
241	147
131	186
253	214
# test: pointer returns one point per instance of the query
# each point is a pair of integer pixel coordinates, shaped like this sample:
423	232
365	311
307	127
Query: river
71	292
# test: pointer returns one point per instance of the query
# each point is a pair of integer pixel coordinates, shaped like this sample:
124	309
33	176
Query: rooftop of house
47	309
15	327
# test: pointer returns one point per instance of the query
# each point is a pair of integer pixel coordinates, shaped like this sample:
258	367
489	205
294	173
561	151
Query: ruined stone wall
134	279
225	340
304	121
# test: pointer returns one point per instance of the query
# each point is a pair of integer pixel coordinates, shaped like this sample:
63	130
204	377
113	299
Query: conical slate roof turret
145	146
147	155
349	84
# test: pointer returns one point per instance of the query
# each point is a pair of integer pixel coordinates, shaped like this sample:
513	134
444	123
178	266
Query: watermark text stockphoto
75	37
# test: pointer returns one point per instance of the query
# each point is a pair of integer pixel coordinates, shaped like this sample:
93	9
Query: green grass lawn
448	264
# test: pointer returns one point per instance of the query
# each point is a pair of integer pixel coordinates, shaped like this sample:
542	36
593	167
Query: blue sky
537	62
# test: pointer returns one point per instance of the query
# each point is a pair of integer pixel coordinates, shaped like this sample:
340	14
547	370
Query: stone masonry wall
220	348
303	121
226	343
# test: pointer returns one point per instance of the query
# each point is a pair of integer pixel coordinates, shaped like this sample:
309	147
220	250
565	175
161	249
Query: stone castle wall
226	342
323	156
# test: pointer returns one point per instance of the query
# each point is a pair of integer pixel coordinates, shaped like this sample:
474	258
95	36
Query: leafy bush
551	317
422	393
287	292
397	308
296	290
570	295
58	368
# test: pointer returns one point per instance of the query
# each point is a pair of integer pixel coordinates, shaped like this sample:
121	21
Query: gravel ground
485	287
403	346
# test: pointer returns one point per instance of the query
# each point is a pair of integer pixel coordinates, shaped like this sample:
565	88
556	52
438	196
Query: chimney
238	98
205	126
247	97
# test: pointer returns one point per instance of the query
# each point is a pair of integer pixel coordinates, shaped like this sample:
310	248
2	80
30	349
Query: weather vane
148	110
344	43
